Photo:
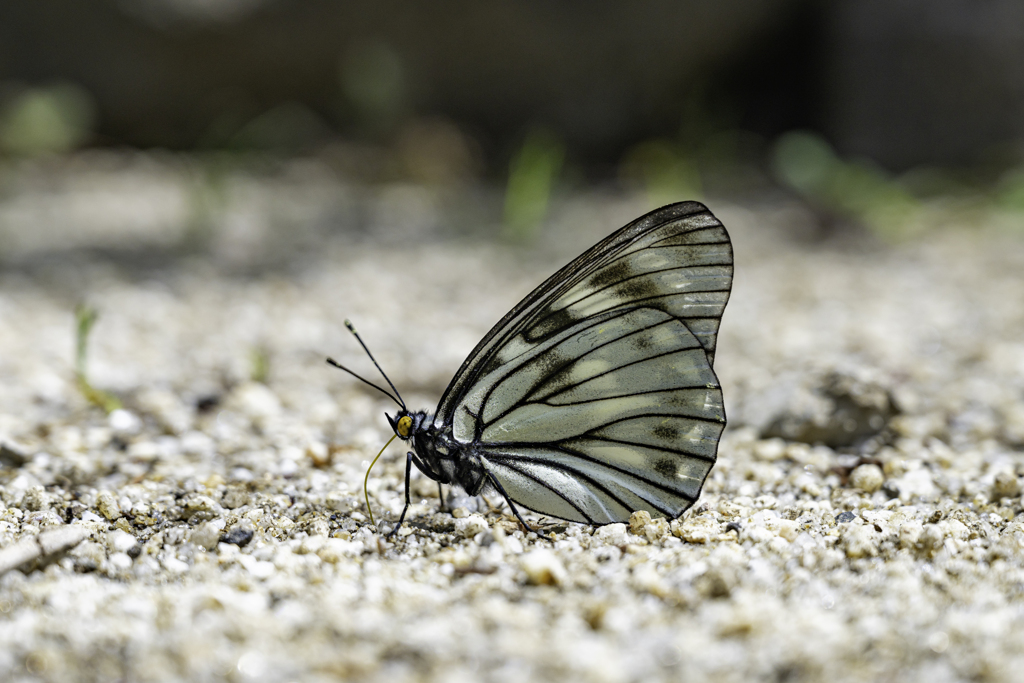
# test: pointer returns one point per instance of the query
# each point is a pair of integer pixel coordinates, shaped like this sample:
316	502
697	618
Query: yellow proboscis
366	479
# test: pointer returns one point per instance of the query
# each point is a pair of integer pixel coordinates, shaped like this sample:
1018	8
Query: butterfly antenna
331	361
352	329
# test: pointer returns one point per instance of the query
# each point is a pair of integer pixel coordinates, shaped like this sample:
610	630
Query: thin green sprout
366	479
259	365
85	318
533	174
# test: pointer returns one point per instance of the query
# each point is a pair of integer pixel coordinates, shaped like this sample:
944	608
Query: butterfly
595	396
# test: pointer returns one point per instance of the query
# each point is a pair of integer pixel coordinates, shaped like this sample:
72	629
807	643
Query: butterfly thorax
437	454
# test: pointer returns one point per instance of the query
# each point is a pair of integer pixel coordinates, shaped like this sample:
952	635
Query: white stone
107	504
256	401
612	534
542	567
698	529
174	565
120	541
1005	485
859	540
124	422
867	478
120	561
471	525
207	535
335	550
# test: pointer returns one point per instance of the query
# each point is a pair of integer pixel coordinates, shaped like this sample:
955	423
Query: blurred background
250	128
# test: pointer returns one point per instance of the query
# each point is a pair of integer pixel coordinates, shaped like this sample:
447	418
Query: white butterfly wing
595	396
591	434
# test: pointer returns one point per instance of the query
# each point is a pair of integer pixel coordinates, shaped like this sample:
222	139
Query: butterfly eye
404	426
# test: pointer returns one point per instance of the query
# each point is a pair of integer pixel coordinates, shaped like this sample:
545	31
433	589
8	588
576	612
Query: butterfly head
404	424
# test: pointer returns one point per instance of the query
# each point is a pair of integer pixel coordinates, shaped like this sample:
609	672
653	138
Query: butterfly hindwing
595	396
632	420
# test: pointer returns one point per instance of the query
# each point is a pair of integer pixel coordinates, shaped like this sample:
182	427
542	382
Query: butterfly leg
440	494
408	470
515	511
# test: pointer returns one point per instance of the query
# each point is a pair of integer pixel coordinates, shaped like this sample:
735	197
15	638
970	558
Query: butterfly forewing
595	396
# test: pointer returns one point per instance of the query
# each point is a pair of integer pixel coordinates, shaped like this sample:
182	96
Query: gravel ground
863	522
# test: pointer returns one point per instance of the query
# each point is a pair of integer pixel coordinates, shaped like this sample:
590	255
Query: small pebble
124	422
120	541
237	536
543	568
208	534
256	401
860	540
770	449
311	544
120	561
657	529
647	578
471	525
11	455
46	543
612	534
1005	485
36	498
699	529
638	521
930	539
61	538
954	528
788	529
337	550
89	556
716	582
107	504
867	478
641	524
235	498
910	532
174	566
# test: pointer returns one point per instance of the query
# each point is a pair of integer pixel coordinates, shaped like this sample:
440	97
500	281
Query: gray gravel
863	522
